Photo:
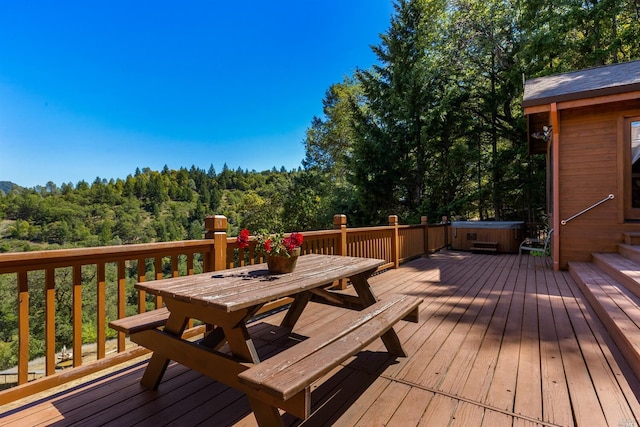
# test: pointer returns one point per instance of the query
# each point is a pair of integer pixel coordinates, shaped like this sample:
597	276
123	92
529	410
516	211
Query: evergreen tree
391	144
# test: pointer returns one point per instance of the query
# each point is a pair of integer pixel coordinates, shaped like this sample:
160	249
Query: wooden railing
32	270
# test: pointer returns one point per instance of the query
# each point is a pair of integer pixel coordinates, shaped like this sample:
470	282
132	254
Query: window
632	177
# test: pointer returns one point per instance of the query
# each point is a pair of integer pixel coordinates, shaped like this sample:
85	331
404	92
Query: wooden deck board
461	364
611	383
555	392
385	405
484	367
499	343
502	390
528	395
406	413
586	365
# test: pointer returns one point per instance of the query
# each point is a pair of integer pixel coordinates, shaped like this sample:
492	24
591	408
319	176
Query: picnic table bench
226	300
297	368
140	322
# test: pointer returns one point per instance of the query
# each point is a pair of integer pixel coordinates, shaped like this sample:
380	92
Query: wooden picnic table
228	299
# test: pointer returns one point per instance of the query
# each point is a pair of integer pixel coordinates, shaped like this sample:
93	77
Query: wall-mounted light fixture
545	135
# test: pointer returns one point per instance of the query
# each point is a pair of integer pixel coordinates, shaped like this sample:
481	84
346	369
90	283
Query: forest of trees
435	128
148	206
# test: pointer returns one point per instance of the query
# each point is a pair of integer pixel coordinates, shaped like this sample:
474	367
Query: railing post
216	229
424	221
340	223
395	253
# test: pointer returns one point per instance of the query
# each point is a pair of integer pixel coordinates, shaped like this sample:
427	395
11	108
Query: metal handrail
609	197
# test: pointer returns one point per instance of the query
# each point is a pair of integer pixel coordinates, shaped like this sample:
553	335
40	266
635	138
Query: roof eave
590	97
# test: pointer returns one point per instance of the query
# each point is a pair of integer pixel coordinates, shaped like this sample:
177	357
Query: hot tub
507	234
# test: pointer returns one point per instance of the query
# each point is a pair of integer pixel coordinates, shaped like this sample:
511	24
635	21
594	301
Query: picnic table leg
214	338
176	323
367	297
296	309
266	415
241	344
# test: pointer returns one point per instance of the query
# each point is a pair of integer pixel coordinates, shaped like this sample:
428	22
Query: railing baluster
77	315
174	265
23	327
101	310
122	300
190	257
142	277
159	276
50	321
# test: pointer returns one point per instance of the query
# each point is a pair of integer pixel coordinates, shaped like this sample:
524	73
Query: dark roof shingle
592	82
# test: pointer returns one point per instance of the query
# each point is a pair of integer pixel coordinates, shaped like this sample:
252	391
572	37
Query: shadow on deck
498	344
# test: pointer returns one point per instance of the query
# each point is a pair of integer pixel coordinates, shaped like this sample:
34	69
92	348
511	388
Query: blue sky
97	88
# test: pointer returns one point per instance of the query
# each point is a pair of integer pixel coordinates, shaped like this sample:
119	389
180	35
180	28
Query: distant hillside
6	186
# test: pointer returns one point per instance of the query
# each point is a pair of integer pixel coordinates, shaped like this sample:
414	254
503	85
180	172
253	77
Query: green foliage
436	127
566	35
147	207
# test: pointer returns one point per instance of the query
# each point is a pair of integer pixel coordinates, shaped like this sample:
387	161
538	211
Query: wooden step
478	246
632	237
617	308
622	269
631	252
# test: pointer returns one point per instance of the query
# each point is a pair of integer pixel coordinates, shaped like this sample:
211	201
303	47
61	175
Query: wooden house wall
589	170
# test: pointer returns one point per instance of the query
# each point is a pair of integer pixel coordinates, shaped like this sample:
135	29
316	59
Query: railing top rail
307	234
99	252
367	229
416	225
318	233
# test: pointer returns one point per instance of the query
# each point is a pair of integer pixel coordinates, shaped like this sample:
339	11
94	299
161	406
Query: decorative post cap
339	220
215	223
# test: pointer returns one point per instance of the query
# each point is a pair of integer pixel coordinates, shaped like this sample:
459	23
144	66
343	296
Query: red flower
296	238
271	244
243	239
292	242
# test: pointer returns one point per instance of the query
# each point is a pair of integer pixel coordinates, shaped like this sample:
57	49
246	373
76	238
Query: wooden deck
498	344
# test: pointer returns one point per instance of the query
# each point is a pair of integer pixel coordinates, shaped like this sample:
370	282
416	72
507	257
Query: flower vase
279	264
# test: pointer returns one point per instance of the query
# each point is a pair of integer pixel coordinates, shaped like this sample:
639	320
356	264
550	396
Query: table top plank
239	288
